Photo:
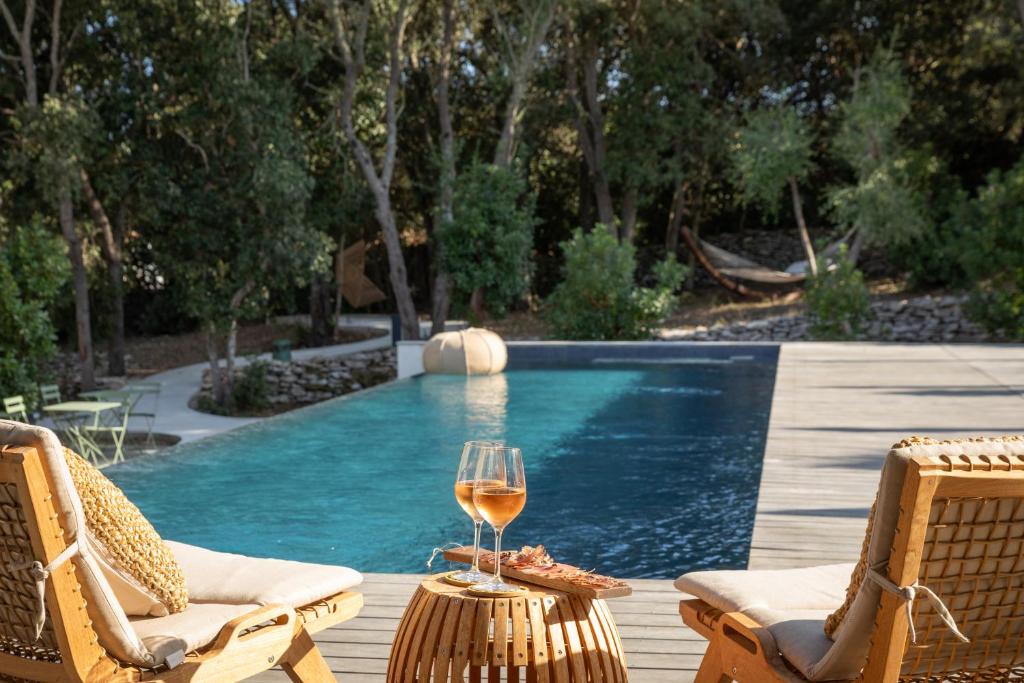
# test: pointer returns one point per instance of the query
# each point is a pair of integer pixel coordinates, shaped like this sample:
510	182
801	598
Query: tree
488	248
32	272
230	226
769	153
521	38
883	205
350	35
441	295
52	134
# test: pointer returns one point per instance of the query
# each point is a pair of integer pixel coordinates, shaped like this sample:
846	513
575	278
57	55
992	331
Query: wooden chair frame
741	649
252	643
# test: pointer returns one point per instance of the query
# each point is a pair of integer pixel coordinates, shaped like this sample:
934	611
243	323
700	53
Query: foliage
992	252
887	203
837	299
773	147
487	244
599	298
32	271
249	392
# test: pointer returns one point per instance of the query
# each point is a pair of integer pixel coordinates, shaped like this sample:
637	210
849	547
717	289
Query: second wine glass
465	482
499	496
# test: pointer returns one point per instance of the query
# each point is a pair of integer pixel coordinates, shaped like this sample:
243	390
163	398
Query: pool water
632	469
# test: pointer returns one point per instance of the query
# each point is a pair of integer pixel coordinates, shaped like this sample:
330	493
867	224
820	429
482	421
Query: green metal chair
150	405
50	393
16	409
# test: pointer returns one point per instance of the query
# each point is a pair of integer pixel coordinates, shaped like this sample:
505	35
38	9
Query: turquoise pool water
633	469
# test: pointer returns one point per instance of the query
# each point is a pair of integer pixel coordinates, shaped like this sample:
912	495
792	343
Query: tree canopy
200	164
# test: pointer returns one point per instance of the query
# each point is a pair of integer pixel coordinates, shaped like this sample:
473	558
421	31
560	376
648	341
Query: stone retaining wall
293	383
921	319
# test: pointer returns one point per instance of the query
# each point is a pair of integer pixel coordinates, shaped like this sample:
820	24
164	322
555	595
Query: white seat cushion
822	587
214	577
799	634
792	603
189	630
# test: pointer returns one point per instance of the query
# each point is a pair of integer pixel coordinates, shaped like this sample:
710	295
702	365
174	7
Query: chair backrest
41	516
50	393
30	531
15	407
960	533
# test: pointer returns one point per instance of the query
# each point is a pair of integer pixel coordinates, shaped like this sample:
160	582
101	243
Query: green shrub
33	268
837	299
992	253
487	245
599	298
250	390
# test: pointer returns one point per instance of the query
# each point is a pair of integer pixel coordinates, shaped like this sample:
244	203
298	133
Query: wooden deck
836	409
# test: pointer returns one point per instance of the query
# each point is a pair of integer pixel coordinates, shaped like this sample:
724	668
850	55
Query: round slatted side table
546	635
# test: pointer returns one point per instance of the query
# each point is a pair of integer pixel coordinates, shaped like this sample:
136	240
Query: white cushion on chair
791	603
227	578
195	627
740	590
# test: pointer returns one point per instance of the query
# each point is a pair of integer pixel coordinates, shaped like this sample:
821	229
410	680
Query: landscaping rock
296	383
921	319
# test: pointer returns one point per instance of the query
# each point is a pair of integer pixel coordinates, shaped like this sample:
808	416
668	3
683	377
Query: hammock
732	270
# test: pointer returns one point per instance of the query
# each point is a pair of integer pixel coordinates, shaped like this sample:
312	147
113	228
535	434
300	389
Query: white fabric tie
910	593
41	574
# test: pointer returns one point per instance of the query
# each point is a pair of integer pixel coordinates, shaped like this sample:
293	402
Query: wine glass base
496	588
467	577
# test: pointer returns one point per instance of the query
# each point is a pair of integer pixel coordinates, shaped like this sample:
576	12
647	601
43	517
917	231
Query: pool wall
522	353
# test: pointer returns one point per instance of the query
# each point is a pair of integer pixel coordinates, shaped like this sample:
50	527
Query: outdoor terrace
835	411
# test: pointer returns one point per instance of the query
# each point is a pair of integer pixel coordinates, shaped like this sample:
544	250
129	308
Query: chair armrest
236	629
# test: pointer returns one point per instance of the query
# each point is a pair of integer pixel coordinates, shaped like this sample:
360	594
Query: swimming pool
637	465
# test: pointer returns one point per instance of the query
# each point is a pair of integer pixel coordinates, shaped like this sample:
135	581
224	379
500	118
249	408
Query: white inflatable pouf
474	351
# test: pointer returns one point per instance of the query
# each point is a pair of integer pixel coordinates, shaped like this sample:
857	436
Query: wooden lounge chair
937	596
60	619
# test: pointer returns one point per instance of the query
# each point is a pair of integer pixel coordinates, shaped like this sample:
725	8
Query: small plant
599	298
250	391
837	299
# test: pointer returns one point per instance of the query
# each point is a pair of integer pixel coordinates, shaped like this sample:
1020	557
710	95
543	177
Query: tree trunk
213	356
319	312
83	322
396	269
476	304
805	237
858	244
339	279
440	298
629	208
537	19
112	253
229	359
353	55
1020	8
675	219
590	131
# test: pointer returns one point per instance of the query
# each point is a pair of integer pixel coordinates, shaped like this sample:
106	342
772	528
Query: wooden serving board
464	554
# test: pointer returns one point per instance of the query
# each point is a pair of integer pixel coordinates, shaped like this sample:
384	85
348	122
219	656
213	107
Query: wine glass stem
497	555
477	526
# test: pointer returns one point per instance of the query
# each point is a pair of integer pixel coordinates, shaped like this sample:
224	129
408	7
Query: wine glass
465	482
499	496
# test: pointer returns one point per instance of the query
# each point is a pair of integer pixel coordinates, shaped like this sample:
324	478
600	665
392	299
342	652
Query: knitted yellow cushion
139	566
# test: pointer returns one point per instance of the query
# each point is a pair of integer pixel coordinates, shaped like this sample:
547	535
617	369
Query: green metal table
82	420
